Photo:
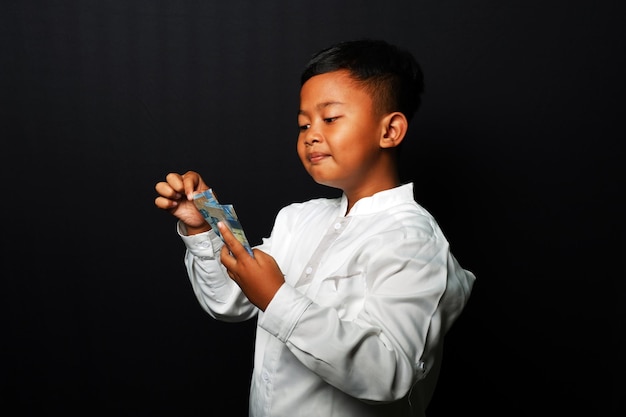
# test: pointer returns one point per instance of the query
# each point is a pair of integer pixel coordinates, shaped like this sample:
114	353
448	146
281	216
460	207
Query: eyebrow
324	105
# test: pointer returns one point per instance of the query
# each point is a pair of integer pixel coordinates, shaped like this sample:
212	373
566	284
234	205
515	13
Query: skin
344	142
259	277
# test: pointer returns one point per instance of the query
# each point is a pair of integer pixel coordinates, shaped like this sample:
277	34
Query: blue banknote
214	212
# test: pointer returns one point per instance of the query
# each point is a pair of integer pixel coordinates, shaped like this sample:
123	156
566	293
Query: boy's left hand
259	277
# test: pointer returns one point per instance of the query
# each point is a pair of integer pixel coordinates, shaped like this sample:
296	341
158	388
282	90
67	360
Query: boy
353	295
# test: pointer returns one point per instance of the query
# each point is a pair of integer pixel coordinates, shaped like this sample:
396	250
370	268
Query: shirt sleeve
216	292
390	345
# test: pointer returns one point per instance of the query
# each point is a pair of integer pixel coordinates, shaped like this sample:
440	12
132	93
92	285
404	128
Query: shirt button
308	270
337	226
265	376
204	244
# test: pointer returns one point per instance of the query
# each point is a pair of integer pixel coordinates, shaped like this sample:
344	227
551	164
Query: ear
394	128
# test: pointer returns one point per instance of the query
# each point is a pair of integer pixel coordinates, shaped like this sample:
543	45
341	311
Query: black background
517	151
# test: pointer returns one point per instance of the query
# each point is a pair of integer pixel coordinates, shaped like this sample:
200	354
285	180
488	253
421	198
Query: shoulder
411	215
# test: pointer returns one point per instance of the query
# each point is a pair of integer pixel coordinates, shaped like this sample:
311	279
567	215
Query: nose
312	136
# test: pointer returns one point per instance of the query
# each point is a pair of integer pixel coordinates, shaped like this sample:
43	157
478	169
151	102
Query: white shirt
357	328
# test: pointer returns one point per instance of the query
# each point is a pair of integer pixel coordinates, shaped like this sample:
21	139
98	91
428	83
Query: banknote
214	212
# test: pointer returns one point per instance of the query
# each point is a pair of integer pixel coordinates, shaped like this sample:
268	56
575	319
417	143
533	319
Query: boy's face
340	133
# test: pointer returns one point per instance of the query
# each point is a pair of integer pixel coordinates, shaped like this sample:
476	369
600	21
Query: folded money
214	212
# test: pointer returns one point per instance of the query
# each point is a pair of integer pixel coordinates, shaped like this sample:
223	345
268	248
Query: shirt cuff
284	311
204	245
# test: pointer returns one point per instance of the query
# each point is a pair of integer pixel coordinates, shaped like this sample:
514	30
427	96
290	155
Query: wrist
195	230
188	230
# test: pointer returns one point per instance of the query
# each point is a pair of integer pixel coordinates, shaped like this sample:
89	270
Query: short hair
391	75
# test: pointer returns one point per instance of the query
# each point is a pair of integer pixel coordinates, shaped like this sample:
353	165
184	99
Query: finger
192	183
166	190
175	181
235	247
165	203
228	261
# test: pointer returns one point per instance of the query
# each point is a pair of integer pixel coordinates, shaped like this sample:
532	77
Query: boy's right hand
176	196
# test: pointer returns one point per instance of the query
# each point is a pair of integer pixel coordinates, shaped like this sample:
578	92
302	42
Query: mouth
315	157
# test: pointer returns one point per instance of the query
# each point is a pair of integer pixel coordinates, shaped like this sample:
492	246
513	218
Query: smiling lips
316	157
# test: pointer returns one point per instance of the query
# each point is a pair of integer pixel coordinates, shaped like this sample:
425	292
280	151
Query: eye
330	119
304	127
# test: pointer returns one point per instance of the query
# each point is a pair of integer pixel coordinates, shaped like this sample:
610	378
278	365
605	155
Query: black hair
391	75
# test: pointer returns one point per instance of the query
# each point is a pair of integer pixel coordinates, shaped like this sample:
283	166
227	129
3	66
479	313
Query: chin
326	182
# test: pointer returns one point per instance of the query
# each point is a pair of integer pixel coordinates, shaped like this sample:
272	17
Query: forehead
336	86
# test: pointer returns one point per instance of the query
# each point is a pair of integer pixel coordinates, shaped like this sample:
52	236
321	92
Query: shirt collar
380	201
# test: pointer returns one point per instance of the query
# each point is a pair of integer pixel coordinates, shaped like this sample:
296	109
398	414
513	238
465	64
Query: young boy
353	295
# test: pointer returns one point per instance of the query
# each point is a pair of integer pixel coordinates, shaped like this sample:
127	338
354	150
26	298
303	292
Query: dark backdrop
517	152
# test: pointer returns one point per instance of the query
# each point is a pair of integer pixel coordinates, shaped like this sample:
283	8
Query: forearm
355	356
216	292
